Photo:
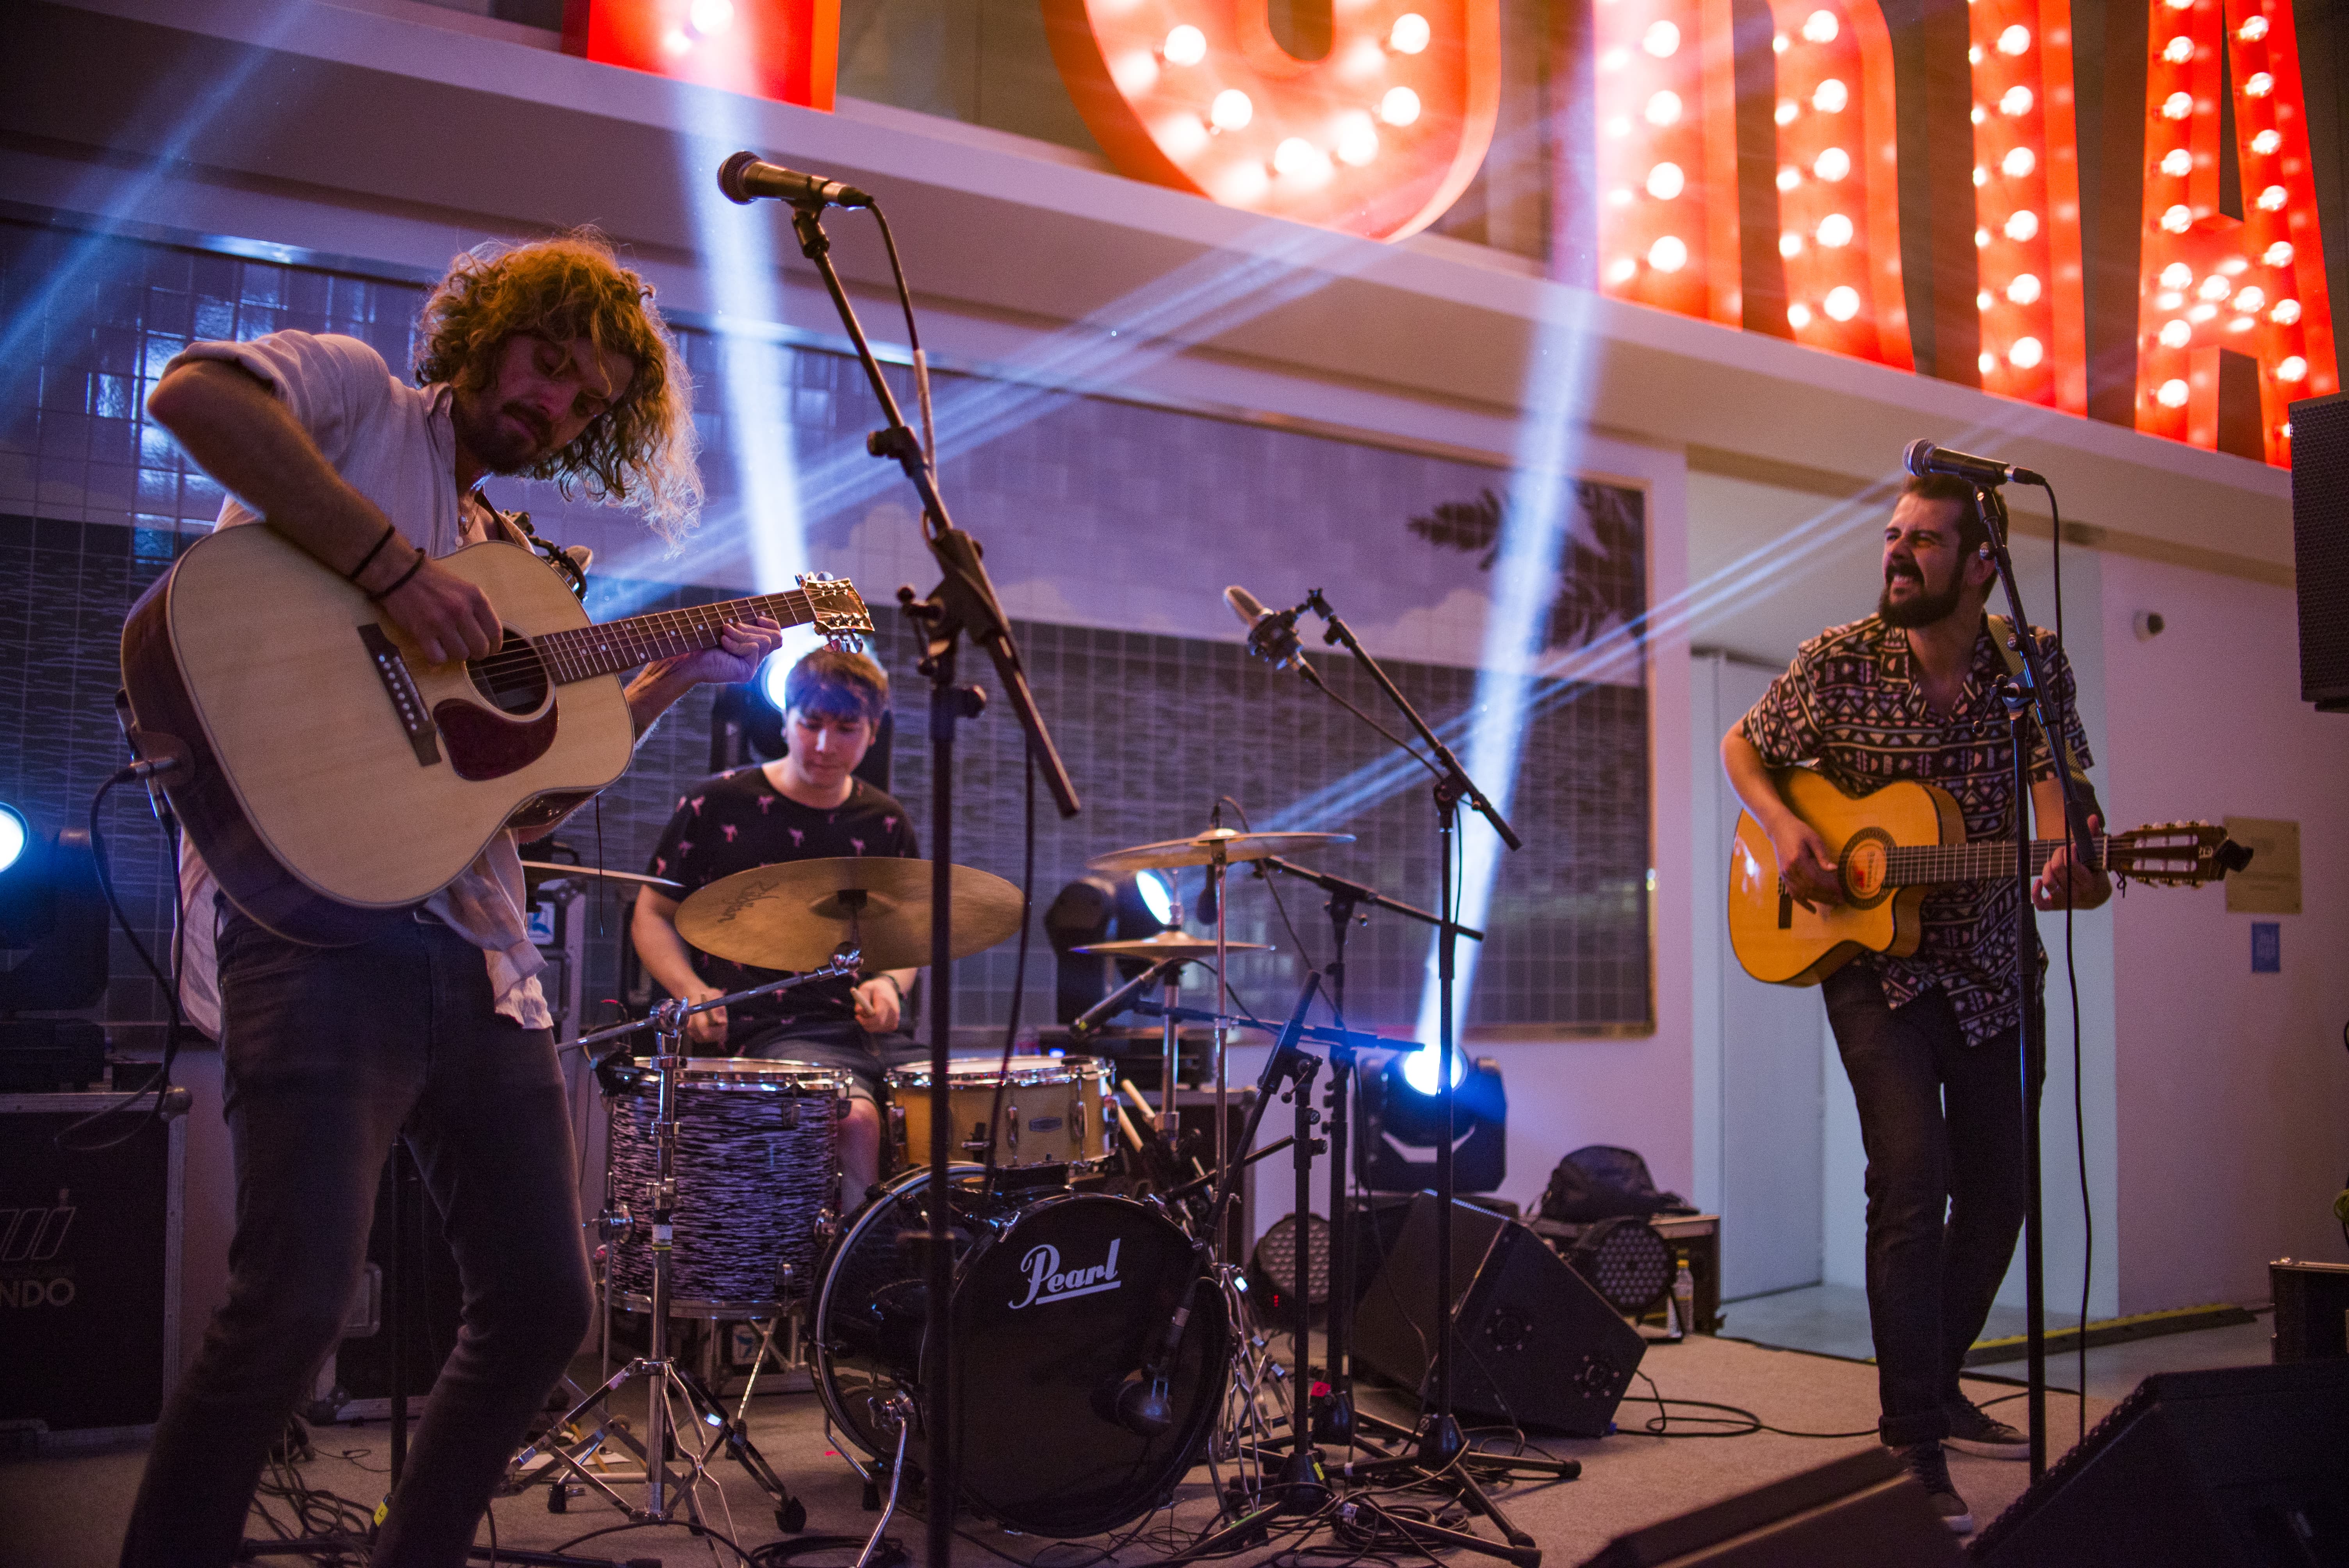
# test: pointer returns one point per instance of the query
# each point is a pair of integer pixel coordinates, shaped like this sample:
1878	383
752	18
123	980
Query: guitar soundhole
513	678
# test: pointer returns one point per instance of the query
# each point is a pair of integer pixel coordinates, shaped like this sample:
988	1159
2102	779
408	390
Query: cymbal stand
662	1376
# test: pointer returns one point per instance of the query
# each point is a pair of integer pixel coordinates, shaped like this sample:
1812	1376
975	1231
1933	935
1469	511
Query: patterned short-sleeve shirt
1851	706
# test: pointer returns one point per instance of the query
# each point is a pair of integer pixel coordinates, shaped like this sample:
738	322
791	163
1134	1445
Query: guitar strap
2001	631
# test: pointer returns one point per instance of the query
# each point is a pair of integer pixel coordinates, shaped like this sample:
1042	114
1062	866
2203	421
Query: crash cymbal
794	915
537	872
1216	843
1170	944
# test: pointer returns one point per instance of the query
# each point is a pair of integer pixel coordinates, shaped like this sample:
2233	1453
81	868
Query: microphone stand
964	601
2029	700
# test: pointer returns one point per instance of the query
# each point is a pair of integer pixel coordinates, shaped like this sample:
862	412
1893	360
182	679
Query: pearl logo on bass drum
1047	1282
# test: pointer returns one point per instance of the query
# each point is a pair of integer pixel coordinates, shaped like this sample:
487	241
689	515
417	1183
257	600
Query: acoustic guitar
1892	846
331	778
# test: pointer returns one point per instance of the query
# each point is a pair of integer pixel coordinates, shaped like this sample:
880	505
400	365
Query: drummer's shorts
844	1048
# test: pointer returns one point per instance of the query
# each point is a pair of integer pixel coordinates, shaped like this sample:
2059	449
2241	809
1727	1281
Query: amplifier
2312	1310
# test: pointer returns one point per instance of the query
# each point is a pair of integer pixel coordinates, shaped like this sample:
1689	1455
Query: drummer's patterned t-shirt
739	820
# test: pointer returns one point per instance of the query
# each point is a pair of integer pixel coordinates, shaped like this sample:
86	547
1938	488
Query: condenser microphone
1923	458
745	178
1272	633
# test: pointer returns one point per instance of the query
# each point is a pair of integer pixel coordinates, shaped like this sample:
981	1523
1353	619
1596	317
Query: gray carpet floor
67	1511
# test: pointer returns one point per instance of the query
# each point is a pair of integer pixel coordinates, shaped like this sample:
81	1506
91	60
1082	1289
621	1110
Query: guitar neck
1912	864
613	647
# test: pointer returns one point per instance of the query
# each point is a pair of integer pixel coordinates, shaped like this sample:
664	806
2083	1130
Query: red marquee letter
788	50
2034	331
1668	156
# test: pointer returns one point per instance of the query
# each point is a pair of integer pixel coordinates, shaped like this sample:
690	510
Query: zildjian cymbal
1170	944
1216	845
795	915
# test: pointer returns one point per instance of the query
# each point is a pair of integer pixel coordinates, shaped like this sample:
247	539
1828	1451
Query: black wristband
885	974
414	567
373	551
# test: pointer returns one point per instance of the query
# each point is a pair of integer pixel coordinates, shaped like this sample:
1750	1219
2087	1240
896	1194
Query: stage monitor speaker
1533	1344
357	1380
1859	1511
2312	1309
2246	1467
2320	546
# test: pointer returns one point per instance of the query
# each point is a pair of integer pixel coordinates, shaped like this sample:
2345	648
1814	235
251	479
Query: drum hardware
657	1369
1167	951
539	873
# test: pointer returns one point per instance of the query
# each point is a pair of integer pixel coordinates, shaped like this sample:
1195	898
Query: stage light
13	835
1402	1127
1156	891
52	920
1627	1261
1272	1267
1098	908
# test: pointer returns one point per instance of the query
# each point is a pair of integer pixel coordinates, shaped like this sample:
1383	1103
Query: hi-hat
1217	844
535	872
794	915
1170	944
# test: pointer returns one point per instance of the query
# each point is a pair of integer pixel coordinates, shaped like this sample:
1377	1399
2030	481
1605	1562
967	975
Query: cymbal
1215	844
792	917
1170	944
556	871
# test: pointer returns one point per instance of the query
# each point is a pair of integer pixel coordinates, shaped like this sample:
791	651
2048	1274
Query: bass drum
1056	1300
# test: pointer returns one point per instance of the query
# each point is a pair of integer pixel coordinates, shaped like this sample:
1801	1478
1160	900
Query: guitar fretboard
616	645
1907	865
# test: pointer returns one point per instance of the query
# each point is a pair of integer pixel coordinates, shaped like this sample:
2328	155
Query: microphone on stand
744	178
1272	633
1095	1019
1923	458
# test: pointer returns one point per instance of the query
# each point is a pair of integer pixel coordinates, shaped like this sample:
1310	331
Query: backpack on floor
1599	1183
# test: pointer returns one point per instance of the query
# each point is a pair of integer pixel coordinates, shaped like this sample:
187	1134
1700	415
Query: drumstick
1133	1138
1140	1104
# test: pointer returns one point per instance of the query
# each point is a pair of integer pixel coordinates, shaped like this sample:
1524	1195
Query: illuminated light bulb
1778	42
1981	175
1399	107
1789	177
2169	300
2273	199
2024	289
2284	429
1985	300
1622	269
2023	224
1798	315
1664	109
1620	125
2278	255
2014	101
1357	140
1974	56
2178	50
1295	155
2252	30
1833	164
1619	197
1831	97
2177	163
1790	243
2215	287
1662	40
2286	312
2291	368
1987	361
1982	239
2178	106
1668	254
2018	162
1842	302
2203	313
2176	275
2181	4
1979	114
1665	181
1819	27
2251	299
1835	230
1186	46
2173	393
1614	59
708	17
675	41
2267	141
1787	111
1411	34
2176	334
2259	84
2241	324
2179	219
2016	40
2025	353
1231	110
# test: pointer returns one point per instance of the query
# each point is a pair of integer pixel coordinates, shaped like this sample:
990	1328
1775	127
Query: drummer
807	805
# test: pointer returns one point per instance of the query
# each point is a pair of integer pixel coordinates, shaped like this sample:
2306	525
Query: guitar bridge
407	702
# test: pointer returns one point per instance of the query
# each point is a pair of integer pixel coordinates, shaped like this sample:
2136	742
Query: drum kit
1105	1329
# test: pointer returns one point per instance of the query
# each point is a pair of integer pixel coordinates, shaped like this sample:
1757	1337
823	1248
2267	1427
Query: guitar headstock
2175	854
836	609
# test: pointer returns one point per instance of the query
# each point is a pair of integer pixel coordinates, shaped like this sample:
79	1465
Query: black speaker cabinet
2320	546
2312	1310
1859	1511
1533	1344
357	1380
2247	1467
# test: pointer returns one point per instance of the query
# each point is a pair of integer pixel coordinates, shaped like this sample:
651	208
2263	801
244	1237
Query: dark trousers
330	1053
1941	1122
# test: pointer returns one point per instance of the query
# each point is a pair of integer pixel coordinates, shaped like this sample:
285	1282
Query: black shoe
1931	1467
1973	1432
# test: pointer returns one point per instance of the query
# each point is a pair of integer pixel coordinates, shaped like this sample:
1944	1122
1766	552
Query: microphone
1095	1019
1272	633
744	178
1923	458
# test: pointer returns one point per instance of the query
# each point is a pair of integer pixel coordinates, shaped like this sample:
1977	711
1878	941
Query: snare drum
757	1168
1056	1111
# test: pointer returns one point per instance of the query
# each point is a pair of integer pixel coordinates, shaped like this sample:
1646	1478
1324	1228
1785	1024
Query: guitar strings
537	652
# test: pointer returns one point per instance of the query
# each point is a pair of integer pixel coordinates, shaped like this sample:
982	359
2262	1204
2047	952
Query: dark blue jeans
1942	1125
330	1053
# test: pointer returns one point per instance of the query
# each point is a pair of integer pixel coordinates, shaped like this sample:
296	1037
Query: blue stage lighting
13	835
771	677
